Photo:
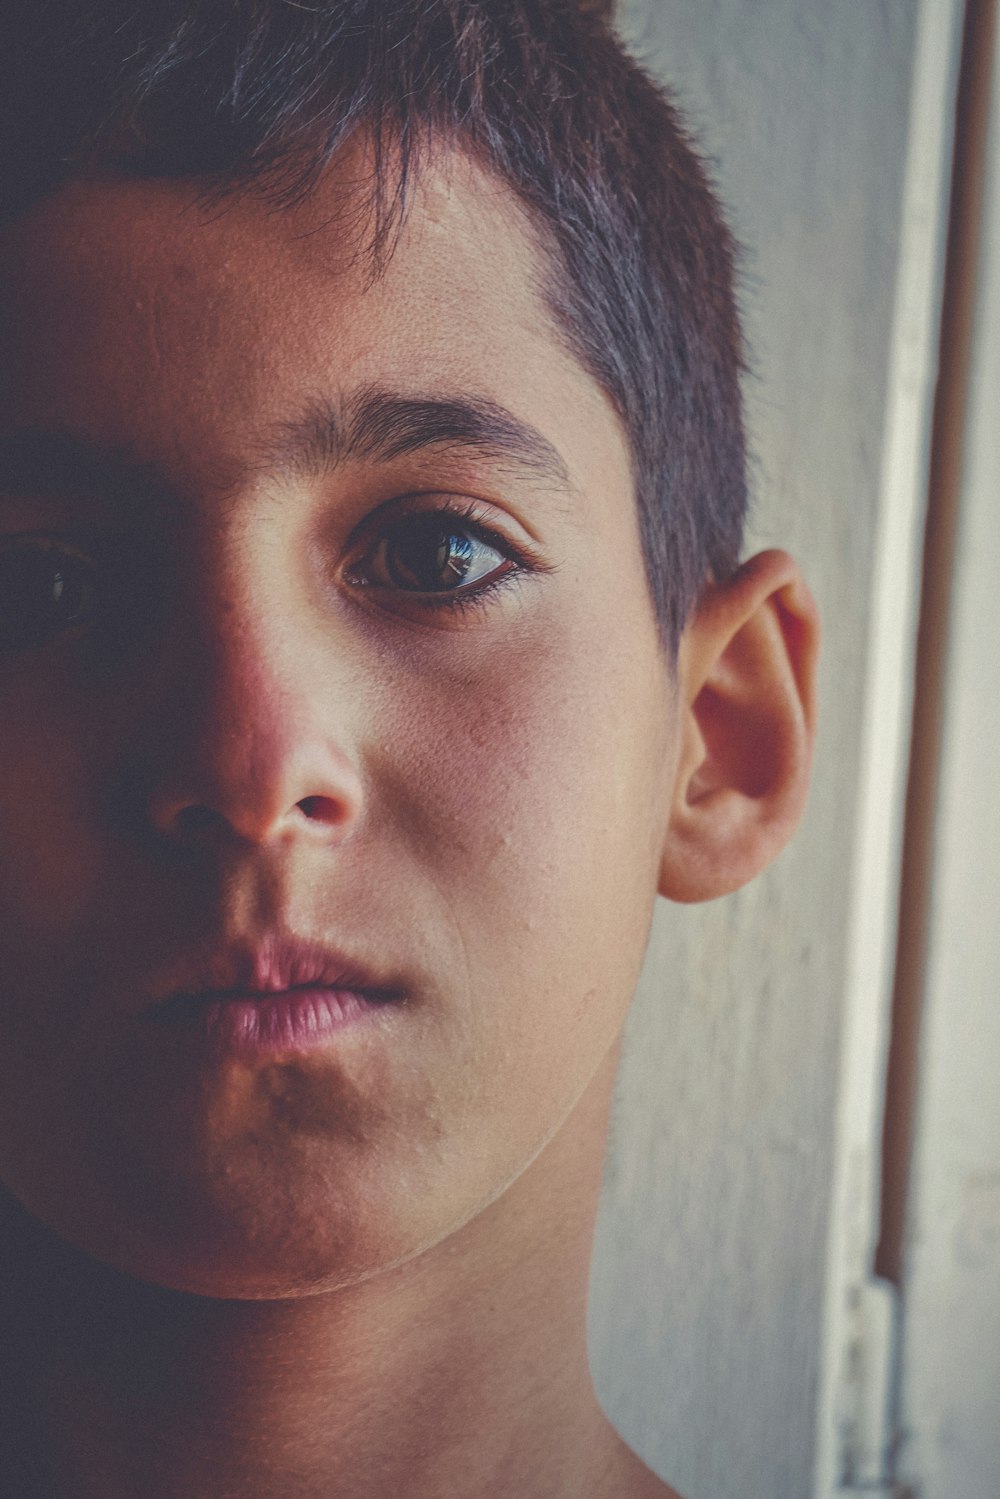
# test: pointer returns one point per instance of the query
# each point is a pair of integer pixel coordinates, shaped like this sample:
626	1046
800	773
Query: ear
747	699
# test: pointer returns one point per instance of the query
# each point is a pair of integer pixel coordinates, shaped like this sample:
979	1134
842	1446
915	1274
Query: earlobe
747	696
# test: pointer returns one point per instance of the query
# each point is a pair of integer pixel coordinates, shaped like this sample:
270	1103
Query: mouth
272	996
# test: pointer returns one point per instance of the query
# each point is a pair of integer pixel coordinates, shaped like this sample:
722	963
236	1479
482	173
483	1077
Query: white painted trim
844	1413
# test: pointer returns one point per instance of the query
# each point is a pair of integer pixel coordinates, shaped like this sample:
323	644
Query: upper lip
270	964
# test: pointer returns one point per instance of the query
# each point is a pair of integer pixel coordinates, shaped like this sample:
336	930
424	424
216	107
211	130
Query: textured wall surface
710	1257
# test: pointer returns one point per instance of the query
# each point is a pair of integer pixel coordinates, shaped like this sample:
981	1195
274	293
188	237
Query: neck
463	1371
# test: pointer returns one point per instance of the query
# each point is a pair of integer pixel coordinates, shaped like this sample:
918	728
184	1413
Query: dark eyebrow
382	425
373	424
57	463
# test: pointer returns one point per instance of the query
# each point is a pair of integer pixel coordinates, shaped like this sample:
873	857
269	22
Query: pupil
429	557
39	595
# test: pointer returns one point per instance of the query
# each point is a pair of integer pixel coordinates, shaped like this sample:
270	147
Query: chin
234	1236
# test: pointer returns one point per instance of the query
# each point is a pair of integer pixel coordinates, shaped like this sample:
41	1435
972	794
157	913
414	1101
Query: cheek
531	795
59	740
44	873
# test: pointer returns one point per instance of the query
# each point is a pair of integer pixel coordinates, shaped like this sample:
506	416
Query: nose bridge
245	700
255	732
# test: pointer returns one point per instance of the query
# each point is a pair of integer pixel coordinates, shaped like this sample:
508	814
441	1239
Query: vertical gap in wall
957	315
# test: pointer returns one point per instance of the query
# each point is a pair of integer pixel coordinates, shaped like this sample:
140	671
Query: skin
359	1270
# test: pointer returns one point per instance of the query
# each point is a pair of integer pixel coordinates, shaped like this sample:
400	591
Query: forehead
140	317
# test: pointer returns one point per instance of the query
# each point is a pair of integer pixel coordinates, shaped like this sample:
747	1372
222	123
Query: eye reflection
431	553
46	586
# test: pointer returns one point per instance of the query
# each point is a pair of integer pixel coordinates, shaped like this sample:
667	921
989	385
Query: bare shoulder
631	1479
643	1483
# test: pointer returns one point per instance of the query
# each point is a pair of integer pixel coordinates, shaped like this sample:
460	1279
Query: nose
251	738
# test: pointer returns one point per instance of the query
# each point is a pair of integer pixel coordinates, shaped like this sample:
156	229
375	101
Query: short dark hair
639	271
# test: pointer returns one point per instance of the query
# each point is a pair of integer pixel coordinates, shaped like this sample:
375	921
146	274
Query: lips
275	994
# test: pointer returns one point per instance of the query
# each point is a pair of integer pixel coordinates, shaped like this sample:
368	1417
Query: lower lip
290	1020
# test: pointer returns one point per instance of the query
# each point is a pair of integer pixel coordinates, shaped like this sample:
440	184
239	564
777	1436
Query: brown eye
46	586
431	553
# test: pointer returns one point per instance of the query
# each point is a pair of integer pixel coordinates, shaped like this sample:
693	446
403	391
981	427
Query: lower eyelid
442	610
458	601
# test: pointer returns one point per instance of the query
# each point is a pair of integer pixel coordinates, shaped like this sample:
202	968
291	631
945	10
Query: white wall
712	1263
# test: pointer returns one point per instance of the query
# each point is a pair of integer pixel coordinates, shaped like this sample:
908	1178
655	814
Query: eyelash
473	597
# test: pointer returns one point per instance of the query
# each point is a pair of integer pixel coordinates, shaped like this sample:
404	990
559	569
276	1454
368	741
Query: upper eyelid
482	532
475	514
420	501
79	543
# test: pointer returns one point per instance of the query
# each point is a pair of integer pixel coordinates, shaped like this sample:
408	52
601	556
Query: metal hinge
865	1416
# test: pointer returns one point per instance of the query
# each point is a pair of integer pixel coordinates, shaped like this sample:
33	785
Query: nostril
320	809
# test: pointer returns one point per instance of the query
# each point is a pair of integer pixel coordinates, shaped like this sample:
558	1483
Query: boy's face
262	719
